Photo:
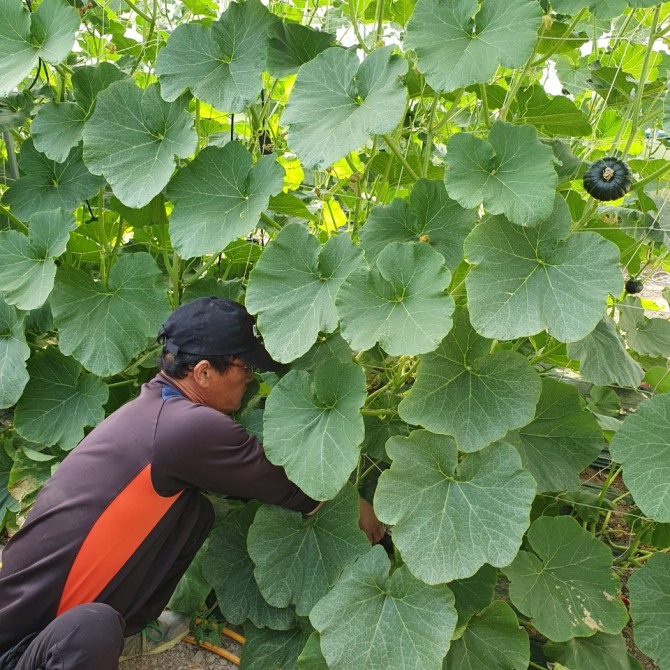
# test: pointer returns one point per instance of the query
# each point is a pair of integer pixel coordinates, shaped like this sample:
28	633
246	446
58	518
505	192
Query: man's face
226	389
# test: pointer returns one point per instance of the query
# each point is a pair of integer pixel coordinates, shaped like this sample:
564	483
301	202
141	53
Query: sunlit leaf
511	173
401	302
103	327
526	280
473	39
430	216
132	139
46	33
221	64
463	390
338	103
219	197
45	184
27	268
292	288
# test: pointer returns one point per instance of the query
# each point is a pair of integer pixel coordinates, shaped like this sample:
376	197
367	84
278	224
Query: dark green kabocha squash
633	285
608	179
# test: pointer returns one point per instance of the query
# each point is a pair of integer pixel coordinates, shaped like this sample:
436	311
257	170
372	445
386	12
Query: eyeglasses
244	366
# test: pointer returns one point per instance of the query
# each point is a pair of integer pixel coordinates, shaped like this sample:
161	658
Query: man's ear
202	373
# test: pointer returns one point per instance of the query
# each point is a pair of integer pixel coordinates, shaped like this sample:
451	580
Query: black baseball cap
215	327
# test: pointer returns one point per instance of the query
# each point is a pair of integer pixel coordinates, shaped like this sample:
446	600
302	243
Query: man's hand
369	523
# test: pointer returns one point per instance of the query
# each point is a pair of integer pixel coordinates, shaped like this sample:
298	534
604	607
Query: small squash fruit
608	179
633	285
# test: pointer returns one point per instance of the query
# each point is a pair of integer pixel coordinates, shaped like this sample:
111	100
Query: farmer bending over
119	522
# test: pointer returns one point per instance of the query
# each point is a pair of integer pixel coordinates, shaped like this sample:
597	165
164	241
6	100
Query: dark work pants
90	637
87	637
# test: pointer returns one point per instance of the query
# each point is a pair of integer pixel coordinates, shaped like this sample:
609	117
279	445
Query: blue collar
170	392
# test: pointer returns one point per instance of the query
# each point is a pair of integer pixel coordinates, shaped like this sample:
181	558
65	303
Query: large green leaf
58	127
59	401
562	439
292	45
555	115
650	608
384	622
493	640
313	428
566	584
299	559
463	390
646	336
221	64
103	327
132	138
293	285
220	197
46	184
511	173
338	103
586	653
47	33
526	280
228	567
14	352
459	42
267	649
192	590
15	109
401	302
603	358
642	446
450	518
27	269
311	657
430	216
473	594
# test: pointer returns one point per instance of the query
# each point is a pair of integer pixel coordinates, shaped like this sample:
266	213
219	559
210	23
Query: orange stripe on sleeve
113	539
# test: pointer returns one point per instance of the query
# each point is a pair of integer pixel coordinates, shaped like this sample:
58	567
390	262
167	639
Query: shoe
157	636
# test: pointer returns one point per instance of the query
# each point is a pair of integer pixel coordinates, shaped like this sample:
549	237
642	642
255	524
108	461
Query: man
117	525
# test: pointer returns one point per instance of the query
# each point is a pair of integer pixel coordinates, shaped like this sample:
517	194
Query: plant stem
102	234
399	155
202	269
427	150
270	222
518	81
451	112
536	666
137	10
380	19
357	32
652	177
126	382
485	105
561	41
378	412
643	77
17	222
12	163
546	354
